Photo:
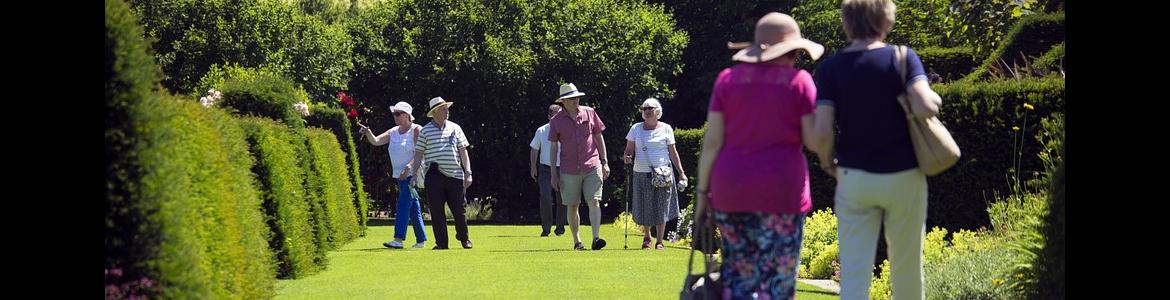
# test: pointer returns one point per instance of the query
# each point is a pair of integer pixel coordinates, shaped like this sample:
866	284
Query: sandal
646	243
659	246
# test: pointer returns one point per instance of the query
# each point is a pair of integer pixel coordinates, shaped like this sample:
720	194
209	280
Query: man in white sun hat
576	133
444	146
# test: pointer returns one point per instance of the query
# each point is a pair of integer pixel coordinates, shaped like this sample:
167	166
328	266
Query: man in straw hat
753	177
576	133
444	146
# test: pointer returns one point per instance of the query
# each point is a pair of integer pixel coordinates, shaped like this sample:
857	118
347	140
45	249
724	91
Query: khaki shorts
572	186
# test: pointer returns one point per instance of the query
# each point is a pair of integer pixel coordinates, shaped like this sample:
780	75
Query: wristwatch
604	162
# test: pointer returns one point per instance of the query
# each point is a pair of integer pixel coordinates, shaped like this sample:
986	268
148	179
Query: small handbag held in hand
706	285
934	147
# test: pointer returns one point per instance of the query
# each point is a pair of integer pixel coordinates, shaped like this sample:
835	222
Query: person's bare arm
924	102
552	162
712	144
682	174
532	161
600	140
466	167
823	137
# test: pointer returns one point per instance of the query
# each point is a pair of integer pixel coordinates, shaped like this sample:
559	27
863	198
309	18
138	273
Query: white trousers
864	202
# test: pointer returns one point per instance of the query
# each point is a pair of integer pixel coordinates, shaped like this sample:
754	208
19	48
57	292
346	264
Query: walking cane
629	192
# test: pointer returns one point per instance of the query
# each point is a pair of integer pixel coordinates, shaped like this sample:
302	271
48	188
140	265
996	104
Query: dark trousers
440	190
550	202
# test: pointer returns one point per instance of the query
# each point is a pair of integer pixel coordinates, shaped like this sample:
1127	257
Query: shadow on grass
378	249
533	250
815	291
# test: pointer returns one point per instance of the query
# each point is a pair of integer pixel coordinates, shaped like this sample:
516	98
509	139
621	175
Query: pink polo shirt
575	133
761	167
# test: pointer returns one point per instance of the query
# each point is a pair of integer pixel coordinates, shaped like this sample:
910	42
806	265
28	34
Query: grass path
508	262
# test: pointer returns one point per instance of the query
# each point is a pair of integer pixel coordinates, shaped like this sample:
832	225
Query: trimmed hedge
310	181
1031	37
330	182
950	63
281	177
689	143
334	120
1052	61
981	118
182	217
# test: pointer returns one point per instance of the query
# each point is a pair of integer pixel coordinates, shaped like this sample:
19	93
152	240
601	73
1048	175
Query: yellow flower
996	281
1015	128
1029	106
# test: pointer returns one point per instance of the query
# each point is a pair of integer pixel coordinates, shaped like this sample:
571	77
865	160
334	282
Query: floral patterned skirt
761	254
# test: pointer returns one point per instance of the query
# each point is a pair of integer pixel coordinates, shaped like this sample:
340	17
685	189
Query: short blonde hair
864	19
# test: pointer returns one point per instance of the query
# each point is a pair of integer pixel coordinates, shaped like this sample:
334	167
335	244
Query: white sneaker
393	244
419	245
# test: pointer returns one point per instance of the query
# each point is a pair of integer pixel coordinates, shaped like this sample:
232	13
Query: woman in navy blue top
878	180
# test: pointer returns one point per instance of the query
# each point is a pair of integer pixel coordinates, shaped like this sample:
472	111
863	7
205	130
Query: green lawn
510	262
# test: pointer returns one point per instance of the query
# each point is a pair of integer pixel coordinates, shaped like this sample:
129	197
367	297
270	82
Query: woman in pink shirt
753	178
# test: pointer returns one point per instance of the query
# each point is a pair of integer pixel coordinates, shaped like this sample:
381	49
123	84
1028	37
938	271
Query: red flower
352	114
345	99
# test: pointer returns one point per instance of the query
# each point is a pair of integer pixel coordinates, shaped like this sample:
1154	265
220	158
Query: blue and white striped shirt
442	146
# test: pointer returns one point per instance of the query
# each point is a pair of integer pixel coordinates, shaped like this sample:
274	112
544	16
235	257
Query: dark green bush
1050	262
264	94
191	36
502	67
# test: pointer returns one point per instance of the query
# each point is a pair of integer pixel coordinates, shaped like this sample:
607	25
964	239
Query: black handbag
706	285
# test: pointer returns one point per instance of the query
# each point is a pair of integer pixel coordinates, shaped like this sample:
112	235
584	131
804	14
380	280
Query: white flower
212	97
207	102
302	107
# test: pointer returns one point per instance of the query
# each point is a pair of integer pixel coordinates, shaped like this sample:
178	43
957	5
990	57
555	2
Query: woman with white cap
444	146
650	146
402	139
753	178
